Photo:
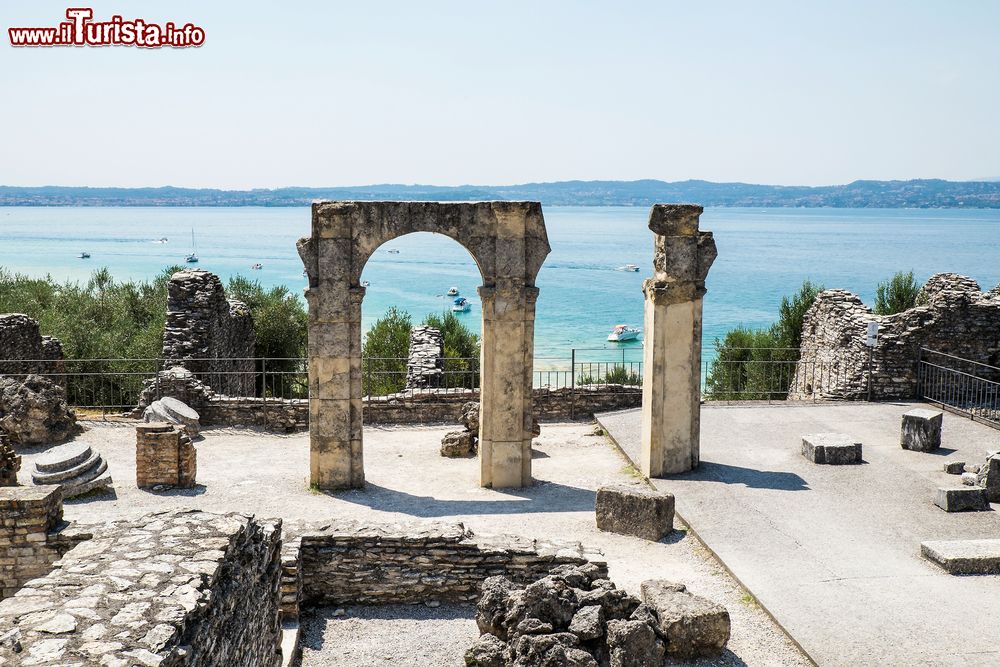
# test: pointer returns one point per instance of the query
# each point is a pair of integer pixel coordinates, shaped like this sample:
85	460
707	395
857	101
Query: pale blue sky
337	93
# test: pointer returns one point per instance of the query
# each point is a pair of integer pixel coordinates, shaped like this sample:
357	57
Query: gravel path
264	474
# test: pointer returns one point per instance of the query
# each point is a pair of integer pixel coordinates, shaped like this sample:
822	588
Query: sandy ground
265	474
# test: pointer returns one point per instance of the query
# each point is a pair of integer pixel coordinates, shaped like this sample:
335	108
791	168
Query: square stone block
993	478
635	510
972	499
921	430
831	448
954	467
964	556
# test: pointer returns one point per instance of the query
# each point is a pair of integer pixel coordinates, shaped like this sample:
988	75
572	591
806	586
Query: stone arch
508	242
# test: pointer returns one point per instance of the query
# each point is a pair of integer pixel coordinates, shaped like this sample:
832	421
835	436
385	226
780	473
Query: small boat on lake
392	251
365	283
461	305
453	291
193	257
162	240
84	255
632	268
257	267
622	333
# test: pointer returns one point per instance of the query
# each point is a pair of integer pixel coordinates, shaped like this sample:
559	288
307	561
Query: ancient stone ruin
671	381
465	442
635	509
24	350
425	365
576	616
10	462
509	244
164	457
75	468
208	334
33	410
956	318
173	411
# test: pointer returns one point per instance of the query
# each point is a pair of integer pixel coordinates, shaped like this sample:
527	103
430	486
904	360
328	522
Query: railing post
871	352
263	390
572	383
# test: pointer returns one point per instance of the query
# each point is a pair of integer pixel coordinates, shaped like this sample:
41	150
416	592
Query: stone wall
33	535
957	319
353	563
24	350
425	365
209	334
173	588
164	456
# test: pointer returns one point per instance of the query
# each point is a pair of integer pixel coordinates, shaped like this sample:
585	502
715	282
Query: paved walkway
833	552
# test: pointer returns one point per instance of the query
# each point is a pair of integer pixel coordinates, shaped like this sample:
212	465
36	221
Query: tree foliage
897	294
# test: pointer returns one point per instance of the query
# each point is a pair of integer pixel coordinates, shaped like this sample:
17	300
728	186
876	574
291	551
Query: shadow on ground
749	477
541	497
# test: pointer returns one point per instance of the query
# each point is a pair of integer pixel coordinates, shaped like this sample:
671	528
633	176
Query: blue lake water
763	255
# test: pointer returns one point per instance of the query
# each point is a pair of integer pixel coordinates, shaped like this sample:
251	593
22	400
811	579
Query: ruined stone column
506	399
335	428
671	389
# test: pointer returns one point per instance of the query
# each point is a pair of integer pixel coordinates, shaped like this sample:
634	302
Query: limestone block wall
202	324
32	535
181	587
957	319
352	563
24	350
164	456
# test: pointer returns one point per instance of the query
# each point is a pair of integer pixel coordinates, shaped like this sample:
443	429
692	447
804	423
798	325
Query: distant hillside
859	194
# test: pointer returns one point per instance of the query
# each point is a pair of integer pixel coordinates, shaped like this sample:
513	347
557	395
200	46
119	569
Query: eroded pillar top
682	254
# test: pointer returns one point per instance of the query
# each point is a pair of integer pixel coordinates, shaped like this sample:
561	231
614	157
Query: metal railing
779	374
960	385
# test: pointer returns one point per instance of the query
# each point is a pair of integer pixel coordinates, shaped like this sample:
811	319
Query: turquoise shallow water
763	254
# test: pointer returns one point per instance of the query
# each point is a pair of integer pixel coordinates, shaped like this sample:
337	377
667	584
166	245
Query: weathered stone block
972	499
76	468
831	449
174	411
921	430
457	444
635	510
954	467
991	478
164	457
695	627
964	556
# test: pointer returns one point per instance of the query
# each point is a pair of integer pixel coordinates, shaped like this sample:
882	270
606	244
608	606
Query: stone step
964	556
965	499
59	476
63	457
87	481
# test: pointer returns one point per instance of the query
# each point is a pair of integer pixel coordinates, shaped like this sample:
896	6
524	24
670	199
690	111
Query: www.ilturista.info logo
81	30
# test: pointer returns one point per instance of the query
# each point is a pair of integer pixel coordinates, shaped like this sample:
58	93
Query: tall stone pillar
506	402
336	458
671	389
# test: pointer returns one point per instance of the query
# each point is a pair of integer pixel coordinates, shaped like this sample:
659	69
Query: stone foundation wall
353	563
957	319
173	588
209	334
425	365
32	534
24	350
418	407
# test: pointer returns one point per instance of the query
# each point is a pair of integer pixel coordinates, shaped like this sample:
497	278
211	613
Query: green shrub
897	294
616	375
461	350
384	353
787	331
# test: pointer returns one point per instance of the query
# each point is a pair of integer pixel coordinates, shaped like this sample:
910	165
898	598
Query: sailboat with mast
193	257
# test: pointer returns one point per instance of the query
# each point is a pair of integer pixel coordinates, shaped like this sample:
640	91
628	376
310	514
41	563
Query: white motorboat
453	291
461	305
257	267
633	268
365	283
84	255
392	251
622	333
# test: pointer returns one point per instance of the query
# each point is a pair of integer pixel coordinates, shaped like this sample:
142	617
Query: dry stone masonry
33	410
348	562
956	319
10	462
164	457
208	334
24	350
33	536
508	242
173	588
425	366
75	468
671	382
